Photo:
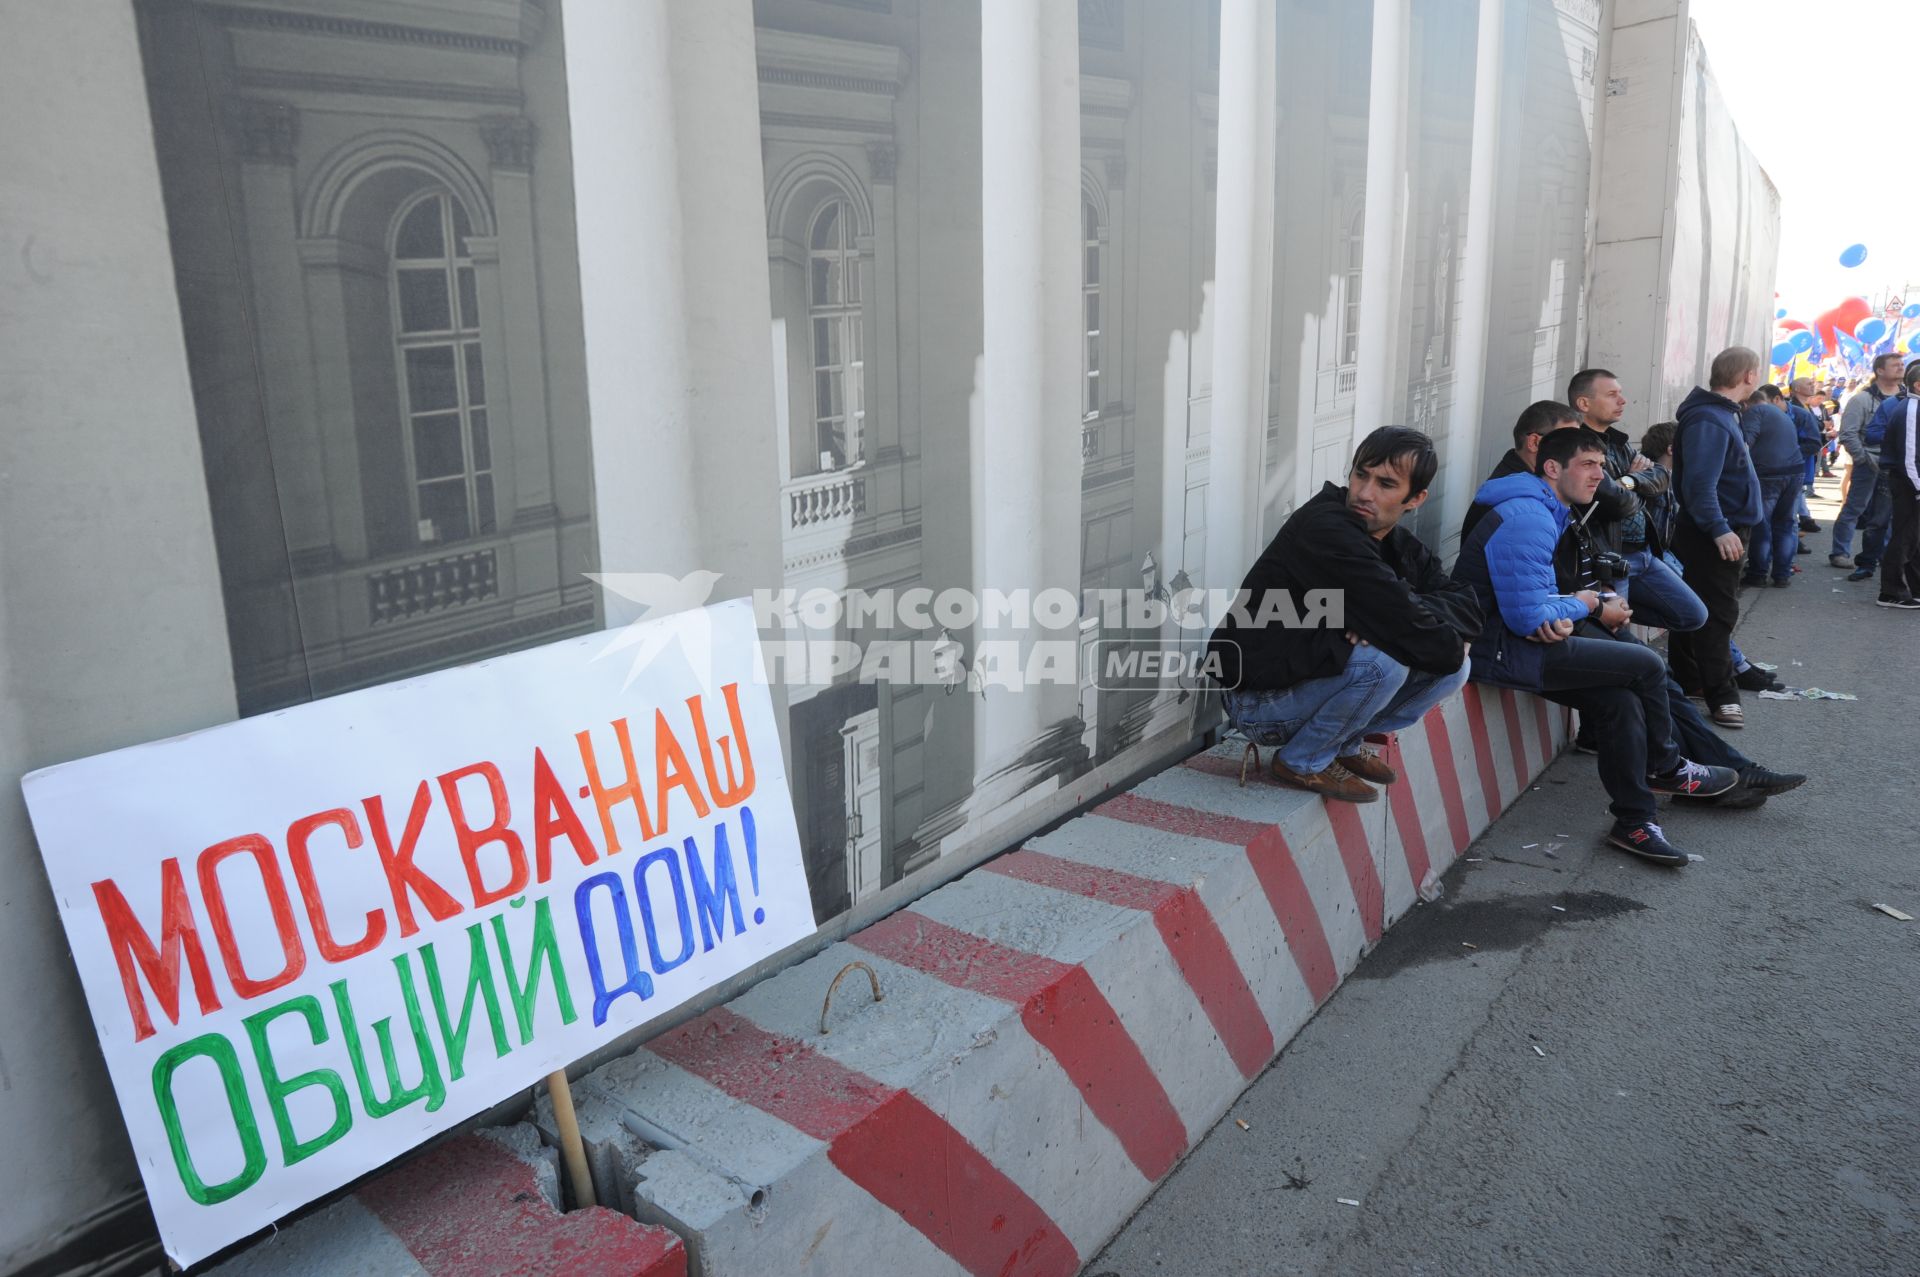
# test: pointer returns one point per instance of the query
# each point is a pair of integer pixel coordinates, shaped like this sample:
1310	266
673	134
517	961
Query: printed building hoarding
312	939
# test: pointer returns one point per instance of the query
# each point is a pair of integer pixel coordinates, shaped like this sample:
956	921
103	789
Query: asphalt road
1727	1073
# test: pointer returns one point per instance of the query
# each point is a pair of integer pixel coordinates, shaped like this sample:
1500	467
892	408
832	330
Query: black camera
1609	567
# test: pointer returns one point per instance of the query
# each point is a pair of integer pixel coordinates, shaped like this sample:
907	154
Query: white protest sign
312	939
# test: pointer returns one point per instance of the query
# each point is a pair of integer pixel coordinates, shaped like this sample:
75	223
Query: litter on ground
1807	694
1893	913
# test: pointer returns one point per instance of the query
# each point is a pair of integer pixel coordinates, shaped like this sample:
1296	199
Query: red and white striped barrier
1057	1027
486	1203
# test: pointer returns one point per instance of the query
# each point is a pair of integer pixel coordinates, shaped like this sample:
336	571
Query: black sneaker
1755	679
1907	604
1695	780
1768	781
1644	839
1808	525
1740	798
1864	571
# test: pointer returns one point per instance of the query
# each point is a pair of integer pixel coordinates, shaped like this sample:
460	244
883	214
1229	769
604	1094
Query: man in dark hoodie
1719	504
1773	443
1534	640
1398	649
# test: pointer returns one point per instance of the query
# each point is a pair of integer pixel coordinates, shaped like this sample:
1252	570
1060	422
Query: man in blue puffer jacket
1532	642
1719	504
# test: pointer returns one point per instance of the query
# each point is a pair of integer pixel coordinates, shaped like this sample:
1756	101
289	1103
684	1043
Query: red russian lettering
279	906
554	816
472	839
135	953
404	878
297	837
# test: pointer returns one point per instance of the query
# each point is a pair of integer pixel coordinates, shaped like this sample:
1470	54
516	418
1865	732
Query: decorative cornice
881	158
360	29
824	80
262	131
509	140
372	86
829	123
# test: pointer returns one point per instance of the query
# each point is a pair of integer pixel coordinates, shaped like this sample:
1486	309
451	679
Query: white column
663	107
1243	287
112	627
1476	276
1380	392
1026	450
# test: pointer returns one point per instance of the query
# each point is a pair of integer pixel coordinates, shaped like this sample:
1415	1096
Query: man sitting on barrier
1563	646
1399	648
1577	562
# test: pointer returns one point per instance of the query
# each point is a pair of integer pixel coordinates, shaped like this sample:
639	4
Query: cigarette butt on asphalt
1537	1051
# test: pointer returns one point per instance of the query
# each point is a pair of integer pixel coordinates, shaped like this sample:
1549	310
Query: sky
1803	82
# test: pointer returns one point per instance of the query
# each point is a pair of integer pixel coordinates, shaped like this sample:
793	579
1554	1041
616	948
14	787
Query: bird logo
658	595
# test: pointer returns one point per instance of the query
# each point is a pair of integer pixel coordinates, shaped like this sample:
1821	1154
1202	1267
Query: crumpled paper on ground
1807	694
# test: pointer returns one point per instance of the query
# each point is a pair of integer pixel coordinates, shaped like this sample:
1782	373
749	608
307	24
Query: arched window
443	388
1090	308
833	309
1350	288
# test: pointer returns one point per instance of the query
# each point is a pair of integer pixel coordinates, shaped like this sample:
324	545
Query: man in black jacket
1658	594
1536	421
1395	649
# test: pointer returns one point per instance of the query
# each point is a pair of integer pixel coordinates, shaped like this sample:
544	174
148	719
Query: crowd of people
1577	538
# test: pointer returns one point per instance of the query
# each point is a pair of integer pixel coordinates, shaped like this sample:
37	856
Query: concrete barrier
477	1204
1056	1028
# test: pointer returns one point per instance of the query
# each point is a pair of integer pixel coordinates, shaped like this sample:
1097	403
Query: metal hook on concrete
872	979
1250	755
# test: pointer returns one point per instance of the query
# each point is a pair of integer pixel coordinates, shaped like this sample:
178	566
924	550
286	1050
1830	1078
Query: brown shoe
1335	782
1368	765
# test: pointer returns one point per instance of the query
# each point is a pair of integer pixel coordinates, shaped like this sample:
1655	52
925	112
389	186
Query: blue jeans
1325	718
1869	508
1776	538
1658	595
1623	690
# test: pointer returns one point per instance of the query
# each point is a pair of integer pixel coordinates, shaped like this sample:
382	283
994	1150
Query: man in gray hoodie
1867	506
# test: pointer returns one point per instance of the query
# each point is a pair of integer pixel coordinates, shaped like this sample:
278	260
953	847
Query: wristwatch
1626	481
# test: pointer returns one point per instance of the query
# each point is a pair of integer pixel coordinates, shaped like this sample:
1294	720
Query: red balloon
1791	325
1846	317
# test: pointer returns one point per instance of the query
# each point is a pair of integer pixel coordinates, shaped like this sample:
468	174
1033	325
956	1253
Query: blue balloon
1783	354
1912	311
1871	330
1801	341
1913	344
1781	313
1854	255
